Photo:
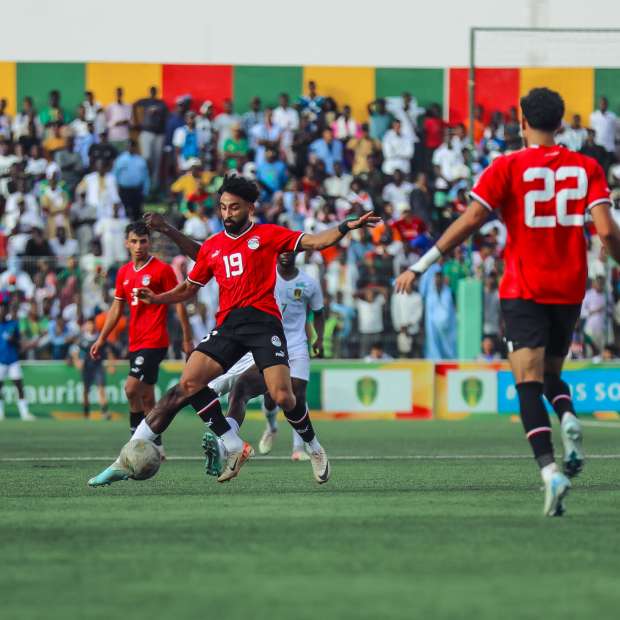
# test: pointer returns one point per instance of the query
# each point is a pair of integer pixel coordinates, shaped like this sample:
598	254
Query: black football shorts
144	364
243	330
530	325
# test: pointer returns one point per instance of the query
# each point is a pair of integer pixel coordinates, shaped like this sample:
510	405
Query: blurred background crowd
71	180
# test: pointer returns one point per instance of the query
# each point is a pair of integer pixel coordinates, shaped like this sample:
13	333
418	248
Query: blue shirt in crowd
328	153
131	170
272	175
9	342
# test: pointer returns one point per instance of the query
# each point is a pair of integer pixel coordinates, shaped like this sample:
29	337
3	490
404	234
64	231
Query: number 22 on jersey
233	265
547	193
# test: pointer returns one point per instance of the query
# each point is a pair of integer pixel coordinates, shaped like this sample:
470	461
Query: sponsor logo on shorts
254	243
275	341
279	353
139	360
146	280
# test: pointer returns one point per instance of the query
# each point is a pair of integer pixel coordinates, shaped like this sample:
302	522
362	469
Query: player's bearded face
235	215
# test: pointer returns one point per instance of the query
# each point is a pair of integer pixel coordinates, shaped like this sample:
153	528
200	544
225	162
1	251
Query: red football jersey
244	266
147	322
543	194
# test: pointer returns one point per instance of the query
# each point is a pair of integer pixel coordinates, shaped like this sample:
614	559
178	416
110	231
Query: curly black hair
138	228
240	186
543	109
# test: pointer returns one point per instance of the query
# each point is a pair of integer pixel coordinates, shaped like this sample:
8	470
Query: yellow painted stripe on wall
354	86
576	85
136	78
8	88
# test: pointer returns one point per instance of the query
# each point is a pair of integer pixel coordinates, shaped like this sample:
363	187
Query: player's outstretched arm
186	328
111	319
607	229
463	227
180	293
188	246
331	236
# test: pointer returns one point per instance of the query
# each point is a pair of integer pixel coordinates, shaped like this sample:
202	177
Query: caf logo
275	341
146	280
253	243
297	293
472	390
367	389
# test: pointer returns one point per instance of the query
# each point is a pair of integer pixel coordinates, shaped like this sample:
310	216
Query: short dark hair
140	229
543	109
240	186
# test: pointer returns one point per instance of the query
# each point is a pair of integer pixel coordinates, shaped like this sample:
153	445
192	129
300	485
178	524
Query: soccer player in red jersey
148	332
242	258
544	193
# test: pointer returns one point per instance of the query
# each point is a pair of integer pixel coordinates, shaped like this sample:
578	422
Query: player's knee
284	398
190	385
132	391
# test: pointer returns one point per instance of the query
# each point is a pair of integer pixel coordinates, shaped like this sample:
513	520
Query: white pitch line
593	424
400	457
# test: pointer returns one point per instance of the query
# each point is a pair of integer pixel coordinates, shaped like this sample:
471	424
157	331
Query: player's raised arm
607	229
331	236
180	293
111	319
462	228
188	246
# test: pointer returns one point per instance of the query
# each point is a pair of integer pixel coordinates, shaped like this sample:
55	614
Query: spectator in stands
70	165
447	160
5	120
235	148
491	309
408	227
20	220
56	138
252	117
84	143
102	150
16	279
118	121
434	129
60	337
206	131
101	190
397	149
377	354
94	112
488	351
605	125
380	119
345	127
455	268
194	182
328	150
132	177
55	205
37	245
370	306
26	125
196	224
311	105
79	125
398	192
83	216
93	269
594	150
271	174
595	313
63	247
224	123
264	135
110	229
440	322
362	148
574	136
53	113
406	312
150	119
405	109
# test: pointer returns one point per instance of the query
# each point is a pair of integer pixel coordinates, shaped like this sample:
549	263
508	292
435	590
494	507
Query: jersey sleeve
284	239
201	272
316	298
598	190
119	293
490	190
169	278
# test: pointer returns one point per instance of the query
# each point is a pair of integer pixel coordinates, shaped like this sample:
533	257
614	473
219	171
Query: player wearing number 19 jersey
544	193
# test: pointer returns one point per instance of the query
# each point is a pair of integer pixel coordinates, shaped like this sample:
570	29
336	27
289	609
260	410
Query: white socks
231	440
548	470
314	445
298	442
271	416
144	432
22	407
1	410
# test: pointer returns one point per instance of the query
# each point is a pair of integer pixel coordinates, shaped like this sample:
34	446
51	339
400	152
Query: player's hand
145	294
317	348
155	221
368	220
95	350
188	347
404	282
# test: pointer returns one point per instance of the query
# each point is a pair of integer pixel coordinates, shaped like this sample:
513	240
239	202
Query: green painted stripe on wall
266	82
36	79
607	83
426	85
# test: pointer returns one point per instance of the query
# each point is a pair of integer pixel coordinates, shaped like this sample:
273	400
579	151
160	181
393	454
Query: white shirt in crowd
398	195
62	251
370	315
449	161
294	297
338	187
286	118
397	152
408	118
223	123
407	311
604	125
101	193
117	113
111	231
196	228
572	138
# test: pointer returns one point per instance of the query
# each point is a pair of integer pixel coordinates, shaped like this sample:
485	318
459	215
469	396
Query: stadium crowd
71	180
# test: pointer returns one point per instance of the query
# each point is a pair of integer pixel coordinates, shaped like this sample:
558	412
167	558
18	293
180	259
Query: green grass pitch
459	536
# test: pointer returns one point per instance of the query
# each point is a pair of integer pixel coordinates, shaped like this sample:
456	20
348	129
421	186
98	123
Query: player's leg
2	375
298	452
270	411
103	397
15	374
527	329
557	391
86	382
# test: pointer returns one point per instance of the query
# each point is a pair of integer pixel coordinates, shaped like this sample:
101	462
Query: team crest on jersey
297	293
146	280
275	341
253	243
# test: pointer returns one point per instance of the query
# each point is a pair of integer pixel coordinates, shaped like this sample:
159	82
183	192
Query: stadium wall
407	389
496	88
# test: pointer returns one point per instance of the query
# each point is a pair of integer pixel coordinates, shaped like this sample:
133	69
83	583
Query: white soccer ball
141	458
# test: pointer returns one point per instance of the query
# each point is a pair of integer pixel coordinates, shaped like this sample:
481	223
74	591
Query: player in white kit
297	294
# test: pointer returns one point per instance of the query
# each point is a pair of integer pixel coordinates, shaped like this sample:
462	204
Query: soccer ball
141	458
